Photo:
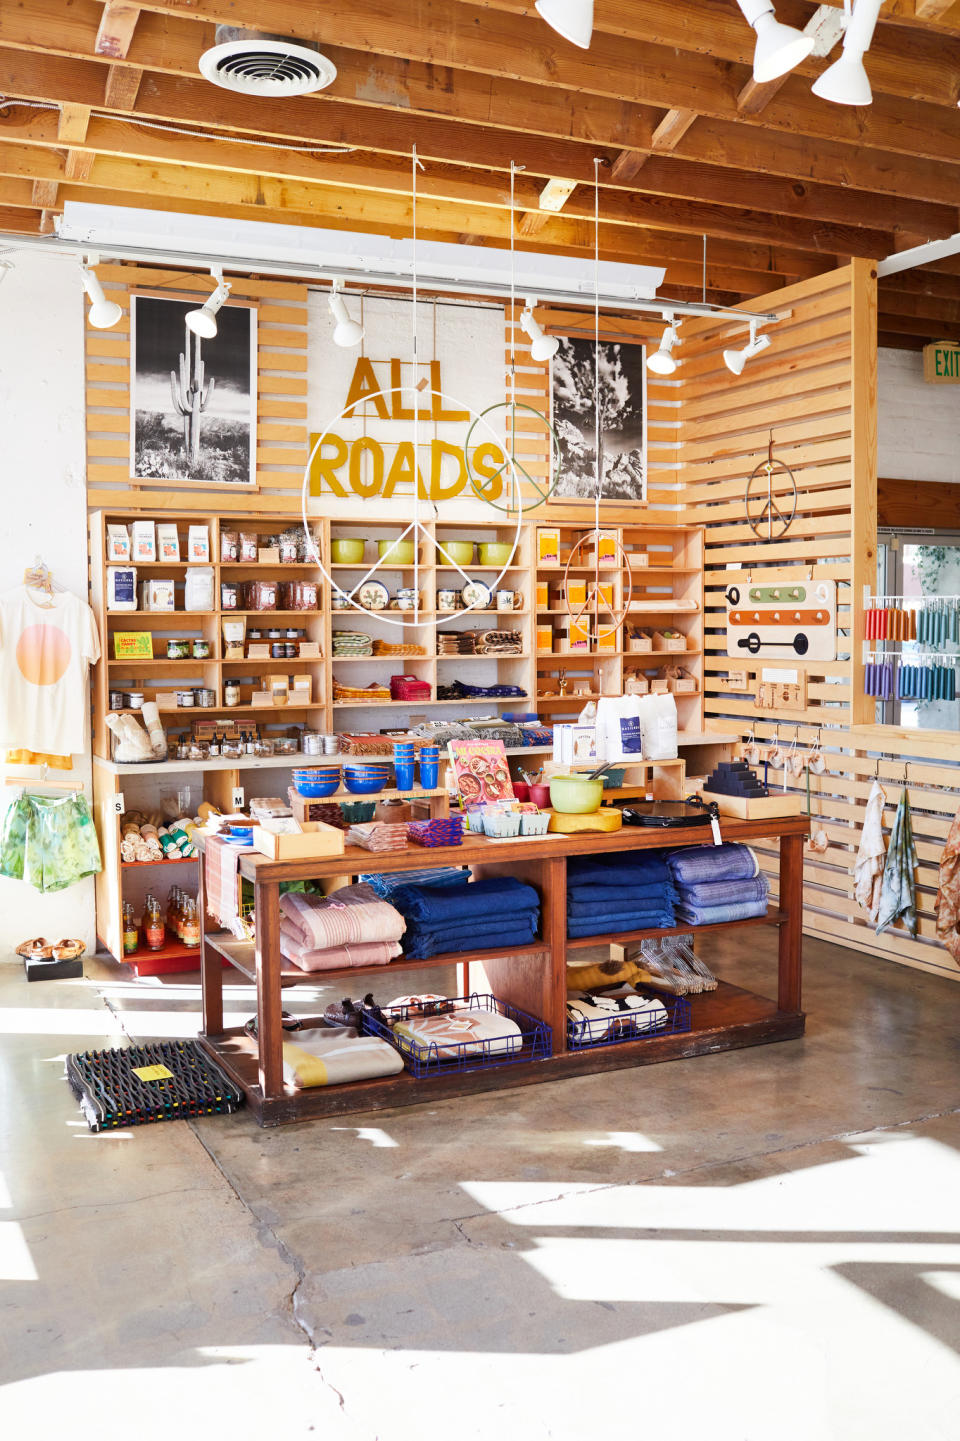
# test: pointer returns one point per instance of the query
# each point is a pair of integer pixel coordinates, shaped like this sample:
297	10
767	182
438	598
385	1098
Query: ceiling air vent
254	63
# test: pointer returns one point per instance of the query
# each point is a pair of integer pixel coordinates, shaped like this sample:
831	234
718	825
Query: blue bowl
364	785
240	833
316	790
362	771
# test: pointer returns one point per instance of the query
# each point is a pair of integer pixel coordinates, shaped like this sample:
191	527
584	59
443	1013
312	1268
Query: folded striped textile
645	869
649	920
385	884
695	864
364	953
429	943
724	893
713	915
378	835
475	926
355	913
371	692
220	879
374	745
496	896
601	901
334	1055
383	647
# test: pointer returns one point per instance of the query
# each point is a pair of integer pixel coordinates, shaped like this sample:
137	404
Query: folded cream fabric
609	1016
363	953
461	1033
353	914
333	1055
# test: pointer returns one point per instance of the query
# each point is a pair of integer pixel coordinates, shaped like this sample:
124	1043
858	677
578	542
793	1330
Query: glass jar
201	648
178	650
231	694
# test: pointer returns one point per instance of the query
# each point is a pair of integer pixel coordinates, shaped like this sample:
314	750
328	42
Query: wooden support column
270	1031
72	128
863	539
789	992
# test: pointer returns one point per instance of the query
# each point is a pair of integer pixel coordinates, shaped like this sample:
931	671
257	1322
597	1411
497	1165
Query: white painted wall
43	486
918	423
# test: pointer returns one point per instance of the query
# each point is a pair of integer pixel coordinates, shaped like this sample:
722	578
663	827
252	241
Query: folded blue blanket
476	925
436	905
385	883
616	925
636	869
627	904
586	893
428	943
695	864
712	915
724	893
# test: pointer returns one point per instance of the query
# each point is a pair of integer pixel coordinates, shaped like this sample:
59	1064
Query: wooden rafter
117	25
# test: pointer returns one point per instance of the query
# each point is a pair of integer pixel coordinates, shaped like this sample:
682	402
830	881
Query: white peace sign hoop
415	526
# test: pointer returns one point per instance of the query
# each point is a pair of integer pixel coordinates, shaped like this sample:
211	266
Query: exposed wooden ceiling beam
123	83
672	128
44	194
115	32
72	124
933	9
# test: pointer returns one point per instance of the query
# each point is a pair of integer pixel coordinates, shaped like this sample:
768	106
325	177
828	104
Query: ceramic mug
505	600
447	599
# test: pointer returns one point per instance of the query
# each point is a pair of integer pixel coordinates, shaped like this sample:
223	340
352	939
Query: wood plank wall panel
815	388
281	398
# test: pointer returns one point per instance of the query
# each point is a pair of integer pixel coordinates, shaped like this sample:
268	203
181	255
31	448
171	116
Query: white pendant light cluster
573	19
203	322
103	313
542	347
661	362
735	360
347	333
780	48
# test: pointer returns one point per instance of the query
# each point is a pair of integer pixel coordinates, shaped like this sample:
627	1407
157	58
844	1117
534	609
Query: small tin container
185	698
135	699
118	701
278	650
205	696
312	743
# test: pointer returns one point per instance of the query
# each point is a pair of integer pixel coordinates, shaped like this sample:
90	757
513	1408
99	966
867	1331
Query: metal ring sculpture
591	605
479	483
415	526
770	517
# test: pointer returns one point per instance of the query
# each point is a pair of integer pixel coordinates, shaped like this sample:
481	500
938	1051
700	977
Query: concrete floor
760	1246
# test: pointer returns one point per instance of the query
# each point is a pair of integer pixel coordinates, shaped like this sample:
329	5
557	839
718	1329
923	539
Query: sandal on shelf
67	950
287	1022
38	949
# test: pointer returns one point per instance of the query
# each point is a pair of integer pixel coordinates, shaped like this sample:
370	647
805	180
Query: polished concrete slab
759	1245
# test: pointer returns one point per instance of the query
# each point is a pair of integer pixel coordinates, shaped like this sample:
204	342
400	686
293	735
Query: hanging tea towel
868	869
898	896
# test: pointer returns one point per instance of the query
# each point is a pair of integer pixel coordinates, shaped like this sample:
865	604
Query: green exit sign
941	363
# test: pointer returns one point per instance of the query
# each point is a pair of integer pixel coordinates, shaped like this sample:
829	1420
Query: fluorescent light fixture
779	48
661	362
347	333
846	82
556	193
573	19
542	347
735	360
370	260
103	312
203	322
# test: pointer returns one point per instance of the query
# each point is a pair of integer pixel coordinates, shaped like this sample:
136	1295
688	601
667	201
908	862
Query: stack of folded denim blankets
717	883
472	916
614	893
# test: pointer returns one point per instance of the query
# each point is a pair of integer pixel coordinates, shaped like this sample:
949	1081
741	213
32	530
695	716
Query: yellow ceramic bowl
575	795
347	552
397	552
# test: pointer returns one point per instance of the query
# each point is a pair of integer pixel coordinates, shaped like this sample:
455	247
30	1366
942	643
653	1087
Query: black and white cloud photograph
623	420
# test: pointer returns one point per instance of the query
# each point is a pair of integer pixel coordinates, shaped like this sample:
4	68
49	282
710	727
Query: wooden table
532	977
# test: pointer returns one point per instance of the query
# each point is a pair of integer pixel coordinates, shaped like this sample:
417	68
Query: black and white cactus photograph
193	397
620	402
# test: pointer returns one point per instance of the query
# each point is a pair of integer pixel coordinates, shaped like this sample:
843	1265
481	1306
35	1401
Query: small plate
476	595
373	595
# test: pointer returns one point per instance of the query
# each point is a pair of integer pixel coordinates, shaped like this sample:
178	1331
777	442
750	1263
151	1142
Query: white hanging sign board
782	616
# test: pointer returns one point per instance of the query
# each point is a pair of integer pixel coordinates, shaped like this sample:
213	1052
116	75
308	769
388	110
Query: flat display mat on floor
176	1080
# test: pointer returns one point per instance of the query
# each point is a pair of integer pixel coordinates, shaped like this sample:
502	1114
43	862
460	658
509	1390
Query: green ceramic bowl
575	795
347	552
459	551
398	552
495	552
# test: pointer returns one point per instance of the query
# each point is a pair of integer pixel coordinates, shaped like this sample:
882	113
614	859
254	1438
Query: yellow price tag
152	1073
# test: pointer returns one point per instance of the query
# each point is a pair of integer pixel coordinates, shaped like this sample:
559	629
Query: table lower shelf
242	955
725	1019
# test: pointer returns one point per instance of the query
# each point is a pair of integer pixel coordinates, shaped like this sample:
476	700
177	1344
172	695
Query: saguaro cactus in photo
190	395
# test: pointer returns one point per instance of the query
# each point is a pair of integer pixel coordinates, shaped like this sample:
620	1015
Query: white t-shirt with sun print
45	650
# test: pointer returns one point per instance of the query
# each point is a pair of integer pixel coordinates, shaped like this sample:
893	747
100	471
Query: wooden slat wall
281	398
816	389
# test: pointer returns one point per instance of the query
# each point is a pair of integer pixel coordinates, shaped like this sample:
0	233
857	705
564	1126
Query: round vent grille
256	64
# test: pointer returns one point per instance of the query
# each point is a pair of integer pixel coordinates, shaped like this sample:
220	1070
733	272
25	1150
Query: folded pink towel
351	915
366	953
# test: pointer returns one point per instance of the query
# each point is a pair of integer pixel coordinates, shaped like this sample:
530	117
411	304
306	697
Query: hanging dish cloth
868	869
948	892
898	896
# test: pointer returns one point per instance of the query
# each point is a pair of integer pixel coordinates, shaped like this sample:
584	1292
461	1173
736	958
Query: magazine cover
482	772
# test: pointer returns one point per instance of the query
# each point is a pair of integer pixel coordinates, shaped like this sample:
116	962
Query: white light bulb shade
544	347
735	360
347	332
202	322
573	19
779	49
661	362
103	313
846	82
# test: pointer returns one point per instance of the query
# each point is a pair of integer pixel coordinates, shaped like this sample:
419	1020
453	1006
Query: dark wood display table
533	977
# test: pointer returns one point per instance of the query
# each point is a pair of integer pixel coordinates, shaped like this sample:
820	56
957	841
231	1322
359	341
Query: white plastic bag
199	588
618	729
658	724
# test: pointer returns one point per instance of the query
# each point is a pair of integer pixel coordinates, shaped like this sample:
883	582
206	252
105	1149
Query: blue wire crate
620	1026
424	1059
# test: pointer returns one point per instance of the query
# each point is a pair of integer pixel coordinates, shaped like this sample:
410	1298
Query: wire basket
619	1026
438	1058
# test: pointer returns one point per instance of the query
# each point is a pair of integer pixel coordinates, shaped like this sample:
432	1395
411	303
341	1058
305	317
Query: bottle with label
190	922
154	931
131	934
